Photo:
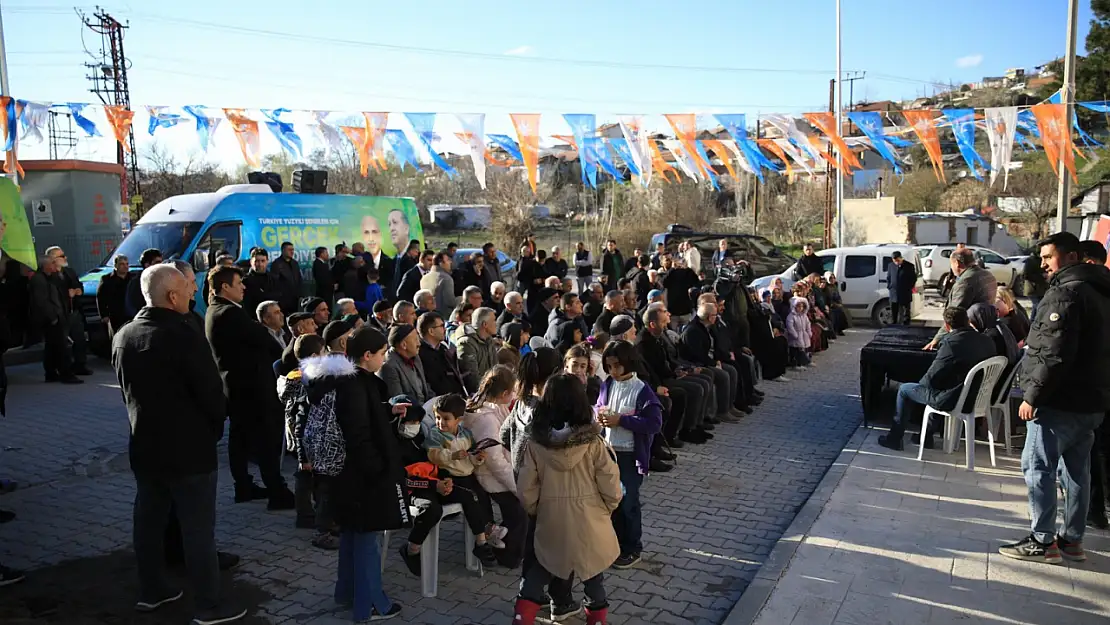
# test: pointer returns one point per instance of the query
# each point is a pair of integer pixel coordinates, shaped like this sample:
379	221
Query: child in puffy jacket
798	332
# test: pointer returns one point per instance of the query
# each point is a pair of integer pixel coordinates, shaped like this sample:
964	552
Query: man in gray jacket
974	285
402	372
441	284
48	310
478	345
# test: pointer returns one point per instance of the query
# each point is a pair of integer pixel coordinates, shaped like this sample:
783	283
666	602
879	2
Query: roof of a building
1077	199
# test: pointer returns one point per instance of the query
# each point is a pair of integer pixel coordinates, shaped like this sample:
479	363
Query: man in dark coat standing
176	405
260	284
49	313
245	354
287	276
321	275
810	263
900	280
612	265
111	295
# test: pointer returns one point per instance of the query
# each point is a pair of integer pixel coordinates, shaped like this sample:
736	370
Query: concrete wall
872	220
83	216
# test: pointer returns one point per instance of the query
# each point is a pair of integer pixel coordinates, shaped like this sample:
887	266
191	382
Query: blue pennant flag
283	131
1101	106
423	124
1028	122
84	123
963	128
205	124
13	130
402	147
505	142
597	152
870	124
620	146
708	166
734	124
583	125
159	118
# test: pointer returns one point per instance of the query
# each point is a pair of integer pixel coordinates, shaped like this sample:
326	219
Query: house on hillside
875	220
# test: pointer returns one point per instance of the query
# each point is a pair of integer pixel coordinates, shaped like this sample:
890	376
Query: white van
861	272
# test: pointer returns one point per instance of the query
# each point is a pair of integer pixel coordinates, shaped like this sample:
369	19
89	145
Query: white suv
934	263
861	273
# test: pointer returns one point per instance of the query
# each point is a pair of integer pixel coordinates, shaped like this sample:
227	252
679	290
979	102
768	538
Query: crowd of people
1064	396
402	385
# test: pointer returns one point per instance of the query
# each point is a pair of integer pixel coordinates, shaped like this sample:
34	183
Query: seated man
960	349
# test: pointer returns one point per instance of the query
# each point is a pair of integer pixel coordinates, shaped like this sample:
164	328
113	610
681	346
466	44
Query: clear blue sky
901	46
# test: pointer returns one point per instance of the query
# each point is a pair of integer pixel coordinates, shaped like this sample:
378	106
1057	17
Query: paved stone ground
708	524
916	543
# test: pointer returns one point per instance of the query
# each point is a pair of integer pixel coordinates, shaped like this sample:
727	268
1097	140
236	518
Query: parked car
760	253
861	273
1018	287
508	265
935	264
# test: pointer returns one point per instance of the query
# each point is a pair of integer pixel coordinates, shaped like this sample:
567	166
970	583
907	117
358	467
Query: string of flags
799	145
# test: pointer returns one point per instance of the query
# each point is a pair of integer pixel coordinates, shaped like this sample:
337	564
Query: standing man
135	299
583	266
287	274
322	276
405	261
441	284
410	281
493	265
810	263
175	402
556	265
271	318
657	256
900	280
259	285
49	313
245	354
1066	392
676	290
692	255
514	309
340	266
721	255
70	287
111	295
612	265
974	285
529	275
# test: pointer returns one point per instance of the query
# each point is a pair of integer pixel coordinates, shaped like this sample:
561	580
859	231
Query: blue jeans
627	522
910	391
1056	435
359	583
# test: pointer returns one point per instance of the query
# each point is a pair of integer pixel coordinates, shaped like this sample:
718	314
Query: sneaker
1071	550
781	378
150	606
484	552
411	560
627	561
496	535
10	576
326	540
393	611
1029	549
219	615
560	613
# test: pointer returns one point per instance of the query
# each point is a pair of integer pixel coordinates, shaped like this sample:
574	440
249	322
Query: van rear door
860	279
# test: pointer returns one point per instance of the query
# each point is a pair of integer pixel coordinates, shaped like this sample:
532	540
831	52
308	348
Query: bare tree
1037	194
792	215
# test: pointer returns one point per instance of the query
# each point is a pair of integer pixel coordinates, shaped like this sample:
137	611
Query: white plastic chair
1001	402
954	422
429	551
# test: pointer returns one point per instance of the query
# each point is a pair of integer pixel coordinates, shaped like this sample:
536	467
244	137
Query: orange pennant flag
362	147
925	127
528	134
685	127
246	131
826	123
776	149
568	139
375	137
1056	137
720	152
120	119
660	165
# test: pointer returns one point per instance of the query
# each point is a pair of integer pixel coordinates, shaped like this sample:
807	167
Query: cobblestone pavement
708	524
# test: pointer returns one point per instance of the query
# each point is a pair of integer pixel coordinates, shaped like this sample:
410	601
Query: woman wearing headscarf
1012	315
984	318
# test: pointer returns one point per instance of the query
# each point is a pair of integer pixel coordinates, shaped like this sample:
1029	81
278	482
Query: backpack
323	440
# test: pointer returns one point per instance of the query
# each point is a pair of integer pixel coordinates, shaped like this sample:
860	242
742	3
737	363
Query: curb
751	602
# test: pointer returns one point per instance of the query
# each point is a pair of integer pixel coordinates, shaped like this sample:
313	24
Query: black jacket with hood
369	494
1069	344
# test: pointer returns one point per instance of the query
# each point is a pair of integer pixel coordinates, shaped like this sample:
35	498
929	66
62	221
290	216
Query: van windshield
171	238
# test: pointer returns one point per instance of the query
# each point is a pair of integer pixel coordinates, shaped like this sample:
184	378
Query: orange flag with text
528	134
1056	137
120	119
826	123
925	127
718	149
685	127
246	131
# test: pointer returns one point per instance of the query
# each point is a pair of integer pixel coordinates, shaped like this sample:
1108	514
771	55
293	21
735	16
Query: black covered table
894	354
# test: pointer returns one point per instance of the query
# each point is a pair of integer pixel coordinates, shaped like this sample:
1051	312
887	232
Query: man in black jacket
176	405
440	360
410	280
340	266
402	264
900	280
245	354
809	263
111	296
50	313
321	275
135	299
641	283
612	265
961	349
69	286
1065	382
659	355
260	284
514	309
529	276
287	274
614	305
539	313
698	346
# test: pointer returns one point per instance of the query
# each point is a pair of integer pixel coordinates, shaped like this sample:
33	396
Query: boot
596	616
525	612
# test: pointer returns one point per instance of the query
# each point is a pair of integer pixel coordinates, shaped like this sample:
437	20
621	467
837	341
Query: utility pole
1067	97
851	79
755	196
828	179
109	83
839	122
4	81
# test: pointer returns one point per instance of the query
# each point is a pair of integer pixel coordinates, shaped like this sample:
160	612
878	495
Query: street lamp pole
1067	97
839	156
